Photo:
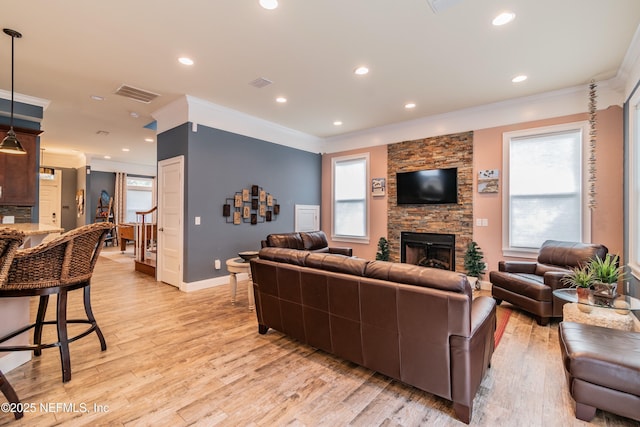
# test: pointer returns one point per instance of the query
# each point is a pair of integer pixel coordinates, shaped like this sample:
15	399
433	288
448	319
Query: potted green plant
606	273
474	264
383	250
582	279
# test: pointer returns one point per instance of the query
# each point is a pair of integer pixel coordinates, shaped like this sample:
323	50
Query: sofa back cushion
314	240
337	263
567	254
285	240
286	255
419	276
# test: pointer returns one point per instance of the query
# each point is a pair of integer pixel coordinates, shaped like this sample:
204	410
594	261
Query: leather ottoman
602	366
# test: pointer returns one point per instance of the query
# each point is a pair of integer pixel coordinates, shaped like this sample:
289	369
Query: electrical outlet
478	222
197	220
216	264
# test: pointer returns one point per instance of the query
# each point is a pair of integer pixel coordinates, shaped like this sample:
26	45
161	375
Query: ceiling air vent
136	94
260	82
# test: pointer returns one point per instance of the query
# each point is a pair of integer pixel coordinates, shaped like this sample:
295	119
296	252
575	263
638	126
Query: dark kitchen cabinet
18	173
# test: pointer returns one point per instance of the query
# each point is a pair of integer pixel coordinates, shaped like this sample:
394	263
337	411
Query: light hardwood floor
177	359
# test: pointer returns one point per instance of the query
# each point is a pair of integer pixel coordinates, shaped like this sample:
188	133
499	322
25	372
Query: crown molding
559	103
200	112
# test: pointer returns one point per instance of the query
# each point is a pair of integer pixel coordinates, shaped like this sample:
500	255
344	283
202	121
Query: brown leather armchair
530	285
313	241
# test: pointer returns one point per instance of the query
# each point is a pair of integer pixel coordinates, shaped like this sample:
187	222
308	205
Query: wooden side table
235	266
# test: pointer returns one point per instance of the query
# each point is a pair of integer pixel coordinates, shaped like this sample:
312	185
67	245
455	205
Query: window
349	189
139	196
633	111
543	196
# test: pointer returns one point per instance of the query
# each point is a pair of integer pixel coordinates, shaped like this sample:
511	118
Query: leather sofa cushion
285	240
336	263
419	276
314	240
569	254
603	356
286	255
527	285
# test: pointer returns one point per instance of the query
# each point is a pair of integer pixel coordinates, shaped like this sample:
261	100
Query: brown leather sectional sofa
415	324
530	285
314	241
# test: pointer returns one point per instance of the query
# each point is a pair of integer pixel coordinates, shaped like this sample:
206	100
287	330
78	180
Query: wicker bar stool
10	240
56	267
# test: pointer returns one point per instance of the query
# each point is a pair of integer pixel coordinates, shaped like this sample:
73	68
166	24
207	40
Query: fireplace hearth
436	250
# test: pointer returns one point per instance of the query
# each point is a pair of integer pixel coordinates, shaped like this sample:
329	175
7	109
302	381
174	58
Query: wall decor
252	205
378	186
488	181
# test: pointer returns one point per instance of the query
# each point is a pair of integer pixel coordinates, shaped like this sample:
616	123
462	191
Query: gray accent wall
220	163
96	182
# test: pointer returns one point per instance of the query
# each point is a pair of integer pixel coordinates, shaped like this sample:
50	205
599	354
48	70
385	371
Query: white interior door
50	200
170	208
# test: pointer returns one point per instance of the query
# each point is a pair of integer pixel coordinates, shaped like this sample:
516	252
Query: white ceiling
443	62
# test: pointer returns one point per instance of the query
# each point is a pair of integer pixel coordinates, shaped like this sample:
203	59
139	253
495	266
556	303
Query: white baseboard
13	360
210	283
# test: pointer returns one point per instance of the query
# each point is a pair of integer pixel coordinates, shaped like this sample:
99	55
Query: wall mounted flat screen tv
434	186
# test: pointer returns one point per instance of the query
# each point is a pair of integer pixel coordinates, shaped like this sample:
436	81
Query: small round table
235	266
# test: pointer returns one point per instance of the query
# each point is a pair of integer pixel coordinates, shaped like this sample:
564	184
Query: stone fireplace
434	250
455	219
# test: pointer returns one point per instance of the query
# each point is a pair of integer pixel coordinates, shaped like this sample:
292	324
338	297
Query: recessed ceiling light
97	97
337	123
134	114
148	140
518	79
409	105
361	71
281	99
269	4
503	18
125	150
185	61
107	157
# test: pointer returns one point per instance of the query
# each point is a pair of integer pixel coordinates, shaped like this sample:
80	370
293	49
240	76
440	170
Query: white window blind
545	190
350	175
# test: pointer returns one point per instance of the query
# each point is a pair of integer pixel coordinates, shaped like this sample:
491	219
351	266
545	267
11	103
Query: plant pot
605	293
475	283
585	299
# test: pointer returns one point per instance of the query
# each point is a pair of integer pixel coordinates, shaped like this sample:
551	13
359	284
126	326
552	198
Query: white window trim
633	177
583	126
350	239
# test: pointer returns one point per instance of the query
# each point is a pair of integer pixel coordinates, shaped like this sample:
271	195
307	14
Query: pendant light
10	143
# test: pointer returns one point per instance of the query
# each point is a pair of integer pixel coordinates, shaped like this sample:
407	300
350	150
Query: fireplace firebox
436	250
